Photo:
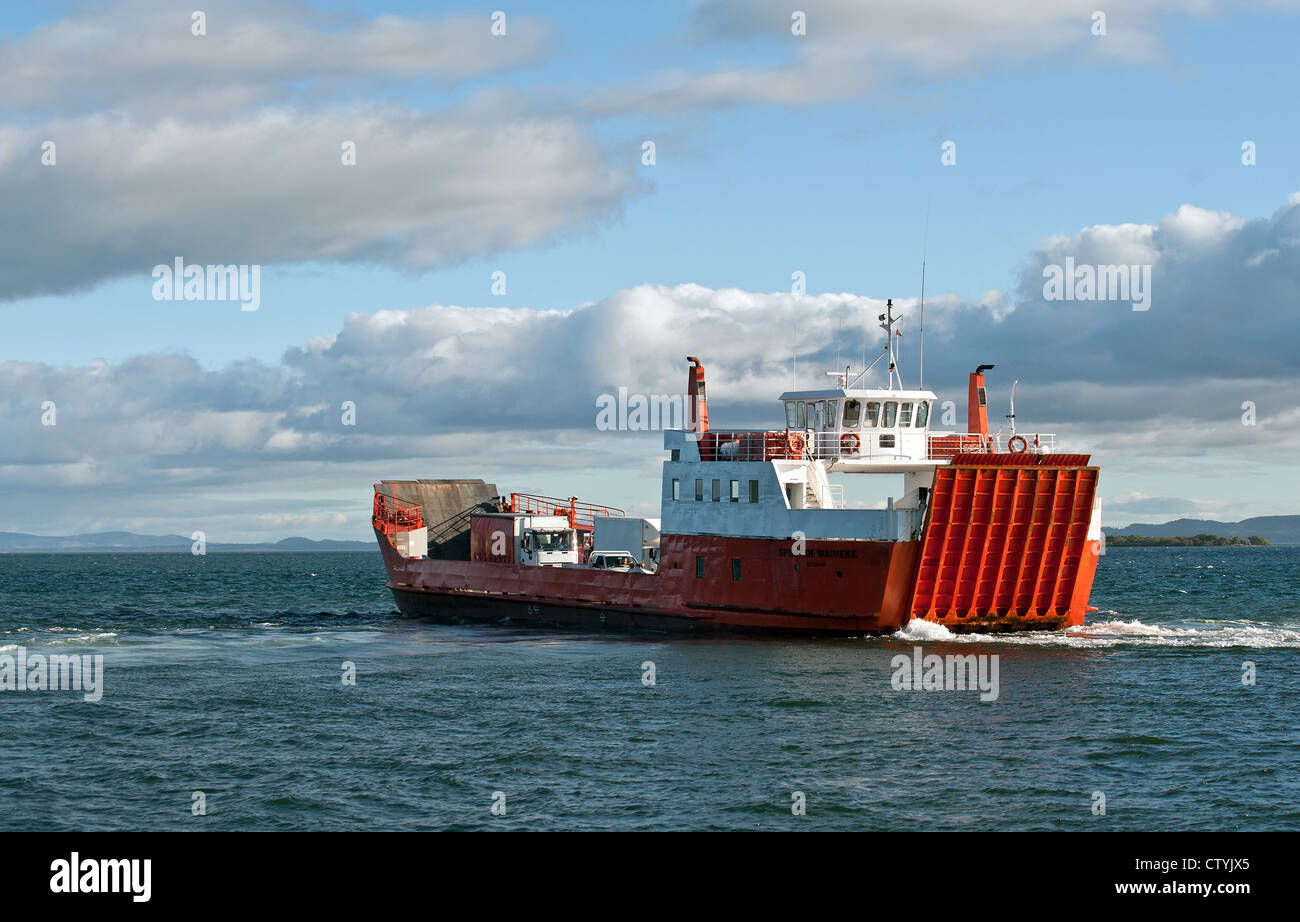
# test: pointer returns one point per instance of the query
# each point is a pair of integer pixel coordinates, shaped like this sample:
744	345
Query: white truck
531	540
631	535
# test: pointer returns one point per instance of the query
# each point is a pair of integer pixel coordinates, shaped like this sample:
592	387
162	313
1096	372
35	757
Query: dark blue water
223	675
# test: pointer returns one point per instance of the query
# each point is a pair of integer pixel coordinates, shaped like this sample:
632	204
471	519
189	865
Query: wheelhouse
862	423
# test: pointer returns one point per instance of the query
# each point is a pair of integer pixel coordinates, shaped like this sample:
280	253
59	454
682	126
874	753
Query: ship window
873	413
832	413
891	415
699	567
735	568
905	415
852	413
820	422
735	491
922	414
983	398
887	441
791	415
677	454
717	490
677	488
753	491
801	420
699	491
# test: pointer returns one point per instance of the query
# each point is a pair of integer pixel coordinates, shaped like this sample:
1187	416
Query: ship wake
1117	632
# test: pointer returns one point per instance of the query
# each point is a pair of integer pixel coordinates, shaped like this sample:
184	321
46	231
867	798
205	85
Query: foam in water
1116	632
920	629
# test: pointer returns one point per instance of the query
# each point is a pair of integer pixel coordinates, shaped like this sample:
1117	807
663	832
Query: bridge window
922	414
699	491
852	413
801	420
891	415
753	491
819	418
791	415
873	413
905	415
677	488
832	413
735	491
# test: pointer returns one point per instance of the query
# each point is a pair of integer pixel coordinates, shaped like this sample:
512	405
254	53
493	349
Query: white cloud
141	56
853	47
269	187
227	148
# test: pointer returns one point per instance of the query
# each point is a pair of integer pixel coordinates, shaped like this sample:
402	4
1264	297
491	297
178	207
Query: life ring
795	442
849	443
1012	444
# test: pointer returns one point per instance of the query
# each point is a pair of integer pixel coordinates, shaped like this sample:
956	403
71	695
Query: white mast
887	324
921	382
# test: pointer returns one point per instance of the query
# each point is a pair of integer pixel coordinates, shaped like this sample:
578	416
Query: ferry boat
992	532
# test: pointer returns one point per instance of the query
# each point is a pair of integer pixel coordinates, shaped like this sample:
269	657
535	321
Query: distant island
1274	529
1203	540
125	542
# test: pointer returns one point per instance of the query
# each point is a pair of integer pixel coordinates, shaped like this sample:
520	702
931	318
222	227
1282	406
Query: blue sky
1056	131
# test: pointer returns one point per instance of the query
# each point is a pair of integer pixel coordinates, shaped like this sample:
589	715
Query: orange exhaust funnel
977	413
697	411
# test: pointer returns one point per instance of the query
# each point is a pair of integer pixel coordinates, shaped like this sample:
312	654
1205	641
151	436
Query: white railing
866	444
920	444
940	446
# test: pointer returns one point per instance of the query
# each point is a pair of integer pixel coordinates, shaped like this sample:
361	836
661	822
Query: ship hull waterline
1006	545
827	596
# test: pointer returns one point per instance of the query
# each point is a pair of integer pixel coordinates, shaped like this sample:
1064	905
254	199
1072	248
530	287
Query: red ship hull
834	588
1007	545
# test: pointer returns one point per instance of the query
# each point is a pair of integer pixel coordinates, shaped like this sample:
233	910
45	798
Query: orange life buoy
849	443
796	442
1012	444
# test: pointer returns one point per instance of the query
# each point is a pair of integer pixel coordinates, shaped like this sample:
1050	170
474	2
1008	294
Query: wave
919	629
1116	632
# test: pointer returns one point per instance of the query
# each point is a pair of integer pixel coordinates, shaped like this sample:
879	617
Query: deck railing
771	445
944	446
391	515
581	515
796	444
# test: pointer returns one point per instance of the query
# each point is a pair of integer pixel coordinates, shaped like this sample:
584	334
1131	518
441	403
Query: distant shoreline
359	547
1184	541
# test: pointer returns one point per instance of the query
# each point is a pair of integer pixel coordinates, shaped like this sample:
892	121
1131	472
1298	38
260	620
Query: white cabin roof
859	393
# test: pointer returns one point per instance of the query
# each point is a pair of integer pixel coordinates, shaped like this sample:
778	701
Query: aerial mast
921	382
887	320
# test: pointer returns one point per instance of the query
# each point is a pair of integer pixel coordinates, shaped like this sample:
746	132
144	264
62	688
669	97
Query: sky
462	243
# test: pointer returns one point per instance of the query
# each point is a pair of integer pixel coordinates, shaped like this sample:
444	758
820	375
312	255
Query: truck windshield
551	540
